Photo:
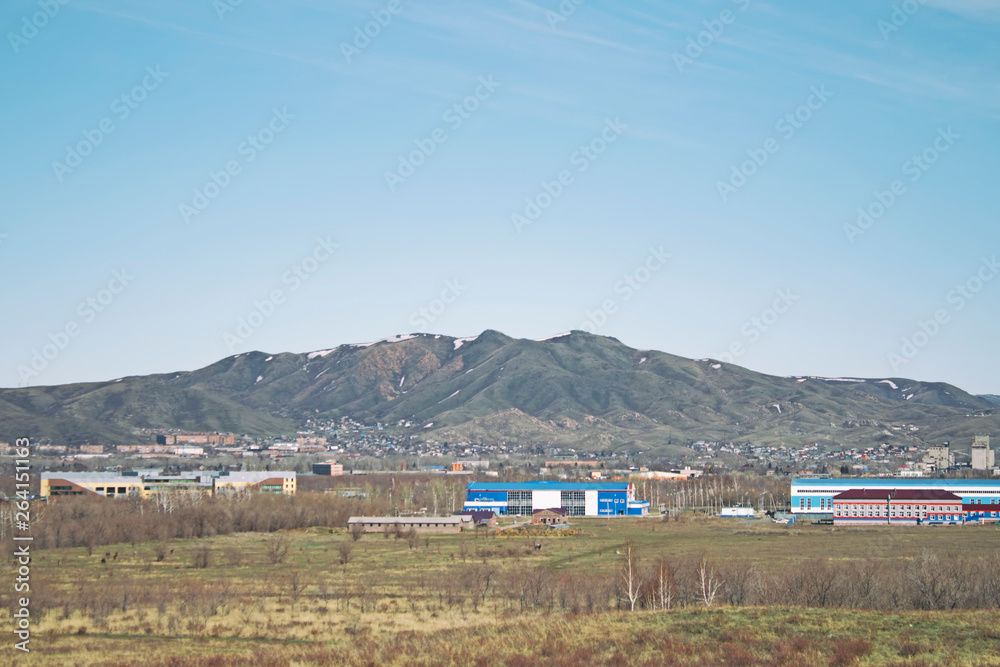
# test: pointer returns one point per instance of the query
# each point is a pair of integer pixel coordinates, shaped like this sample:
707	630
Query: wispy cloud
985	10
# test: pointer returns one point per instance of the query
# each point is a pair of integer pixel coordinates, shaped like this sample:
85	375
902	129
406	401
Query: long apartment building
146	483
814	496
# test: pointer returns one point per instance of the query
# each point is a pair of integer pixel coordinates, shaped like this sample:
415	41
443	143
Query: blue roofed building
814	495
577	498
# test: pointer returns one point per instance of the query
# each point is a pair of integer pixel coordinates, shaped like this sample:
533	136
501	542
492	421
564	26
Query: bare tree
630	579
296	585
479	578
344	550
413	538
666	591
234	555
710	583
277	549
357	530
201	556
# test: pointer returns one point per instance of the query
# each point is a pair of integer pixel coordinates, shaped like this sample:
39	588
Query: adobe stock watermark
957	298
566	9
714	28
423	316
454	116
627	287
248	149
915	167
786	127
757	326
31	25
900	16
22	539
294	278
87	311
223	7
363	35
581	158
122	107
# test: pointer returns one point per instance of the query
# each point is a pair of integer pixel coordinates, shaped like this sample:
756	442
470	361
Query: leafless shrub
277	549
201	556
233	555
344	549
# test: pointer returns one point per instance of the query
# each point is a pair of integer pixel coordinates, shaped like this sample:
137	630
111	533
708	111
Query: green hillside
577	390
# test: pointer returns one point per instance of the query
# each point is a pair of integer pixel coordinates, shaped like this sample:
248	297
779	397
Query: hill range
573	390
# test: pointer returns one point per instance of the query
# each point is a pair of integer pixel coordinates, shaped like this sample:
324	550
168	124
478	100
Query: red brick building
548	517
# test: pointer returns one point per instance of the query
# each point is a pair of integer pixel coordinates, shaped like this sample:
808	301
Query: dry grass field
319	596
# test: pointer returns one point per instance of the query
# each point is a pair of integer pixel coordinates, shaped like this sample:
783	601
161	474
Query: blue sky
713	157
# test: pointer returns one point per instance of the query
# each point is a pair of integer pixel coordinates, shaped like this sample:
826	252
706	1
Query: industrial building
981	454
419	524
981	513
328	468
577	498
146	483
814	496
862	507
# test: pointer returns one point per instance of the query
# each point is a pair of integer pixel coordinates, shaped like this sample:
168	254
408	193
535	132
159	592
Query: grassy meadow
319	596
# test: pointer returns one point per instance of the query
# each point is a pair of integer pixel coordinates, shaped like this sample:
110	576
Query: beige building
147	483
97	483
278	482
982	455
939	458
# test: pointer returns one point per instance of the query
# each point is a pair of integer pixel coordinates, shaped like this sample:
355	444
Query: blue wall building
814	495
577	498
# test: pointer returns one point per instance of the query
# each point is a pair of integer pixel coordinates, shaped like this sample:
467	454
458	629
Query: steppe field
687	591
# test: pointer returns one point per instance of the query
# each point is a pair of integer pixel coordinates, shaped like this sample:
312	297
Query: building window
574	502
519	502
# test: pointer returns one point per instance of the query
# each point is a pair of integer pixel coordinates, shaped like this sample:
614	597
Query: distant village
347	445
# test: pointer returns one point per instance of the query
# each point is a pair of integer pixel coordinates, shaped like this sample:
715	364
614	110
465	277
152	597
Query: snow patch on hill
445	399
391	339
459	342
542	340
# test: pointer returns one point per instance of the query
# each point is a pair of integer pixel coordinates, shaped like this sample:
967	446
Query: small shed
548	517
